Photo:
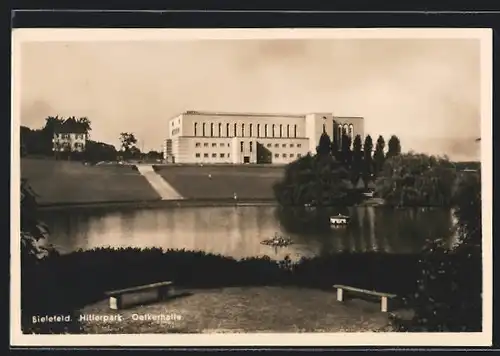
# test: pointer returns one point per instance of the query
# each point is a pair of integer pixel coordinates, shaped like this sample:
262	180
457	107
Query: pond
238	231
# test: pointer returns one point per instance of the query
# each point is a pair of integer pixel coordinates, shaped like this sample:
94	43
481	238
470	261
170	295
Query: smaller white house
69	137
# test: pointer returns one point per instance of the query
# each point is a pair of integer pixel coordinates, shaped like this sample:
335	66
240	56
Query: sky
425	91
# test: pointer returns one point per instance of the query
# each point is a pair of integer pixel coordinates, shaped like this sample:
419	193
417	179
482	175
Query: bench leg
340	294
383	304
165	292
115	302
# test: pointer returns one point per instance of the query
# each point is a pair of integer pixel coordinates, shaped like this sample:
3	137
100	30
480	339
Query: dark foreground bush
65	283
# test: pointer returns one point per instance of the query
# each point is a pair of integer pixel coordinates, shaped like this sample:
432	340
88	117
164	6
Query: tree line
401	179
39	142
359	157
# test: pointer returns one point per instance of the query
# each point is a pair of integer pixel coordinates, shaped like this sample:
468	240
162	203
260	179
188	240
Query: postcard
251	187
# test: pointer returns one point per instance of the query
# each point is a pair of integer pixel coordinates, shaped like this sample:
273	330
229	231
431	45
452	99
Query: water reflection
238	231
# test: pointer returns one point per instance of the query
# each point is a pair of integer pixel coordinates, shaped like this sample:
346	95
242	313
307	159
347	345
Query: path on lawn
160	185
245	309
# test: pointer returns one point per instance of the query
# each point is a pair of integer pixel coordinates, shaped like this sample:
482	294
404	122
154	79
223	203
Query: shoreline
146	204
157	203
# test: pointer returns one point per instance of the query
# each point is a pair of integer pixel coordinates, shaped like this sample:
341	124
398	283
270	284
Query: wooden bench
384	297
117	297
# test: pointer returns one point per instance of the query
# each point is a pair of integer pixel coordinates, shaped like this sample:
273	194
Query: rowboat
339	220
277	241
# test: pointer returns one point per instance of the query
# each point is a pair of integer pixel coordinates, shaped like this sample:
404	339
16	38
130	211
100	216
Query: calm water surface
238	231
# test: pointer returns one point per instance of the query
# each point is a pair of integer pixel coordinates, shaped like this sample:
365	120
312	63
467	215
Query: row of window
68	147
284	145
222	144
344	129
269	130
67	136
214	155
224	155
284	155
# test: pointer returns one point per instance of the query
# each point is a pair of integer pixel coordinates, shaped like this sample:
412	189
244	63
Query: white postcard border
268	339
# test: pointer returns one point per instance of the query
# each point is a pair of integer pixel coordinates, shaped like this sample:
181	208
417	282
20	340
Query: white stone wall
201	137
246	125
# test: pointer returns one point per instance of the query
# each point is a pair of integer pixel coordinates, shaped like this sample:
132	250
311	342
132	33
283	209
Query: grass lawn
73	182
248	182
246	309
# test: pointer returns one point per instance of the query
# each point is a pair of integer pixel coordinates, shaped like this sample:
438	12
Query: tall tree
324	145
357	158
346	149
127	140
52	124
378	155
319	179
394	147
85	124
449	297
417	180
335	149
367	159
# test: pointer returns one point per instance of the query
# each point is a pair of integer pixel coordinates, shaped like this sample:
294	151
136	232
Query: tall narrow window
242	130
251	144
281	130
227	130
265	130
273	130
234	131
295	131
220	130
241	146
258	130
195	128
287	130
211	130
250	130
203	129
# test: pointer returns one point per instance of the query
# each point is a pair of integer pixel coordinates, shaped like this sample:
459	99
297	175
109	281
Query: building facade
210	137
167	150
69	142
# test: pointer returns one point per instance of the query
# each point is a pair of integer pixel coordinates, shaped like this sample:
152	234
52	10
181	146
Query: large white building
215	137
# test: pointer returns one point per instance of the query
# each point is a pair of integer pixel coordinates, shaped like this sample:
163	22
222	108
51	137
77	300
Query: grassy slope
246	309
73	182
248	182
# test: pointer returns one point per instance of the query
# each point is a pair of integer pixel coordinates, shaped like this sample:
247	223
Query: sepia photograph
270	187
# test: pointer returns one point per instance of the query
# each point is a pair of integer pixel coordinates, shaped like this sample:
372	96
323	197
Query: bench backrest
365	291
138	288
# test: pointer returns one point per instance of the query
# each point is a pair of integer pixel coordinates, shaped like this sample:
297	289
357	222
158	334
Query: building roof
221	113
256	114
348	117
70	126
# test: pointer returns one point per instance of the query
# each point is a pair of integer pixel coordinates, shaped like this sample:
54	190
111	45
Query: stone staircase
165	190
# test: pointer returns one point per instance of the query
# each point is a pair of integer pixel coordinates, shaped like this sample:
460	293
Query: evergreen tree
324	145
394	147
357	158
367	159
346	150
335	149
378	155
